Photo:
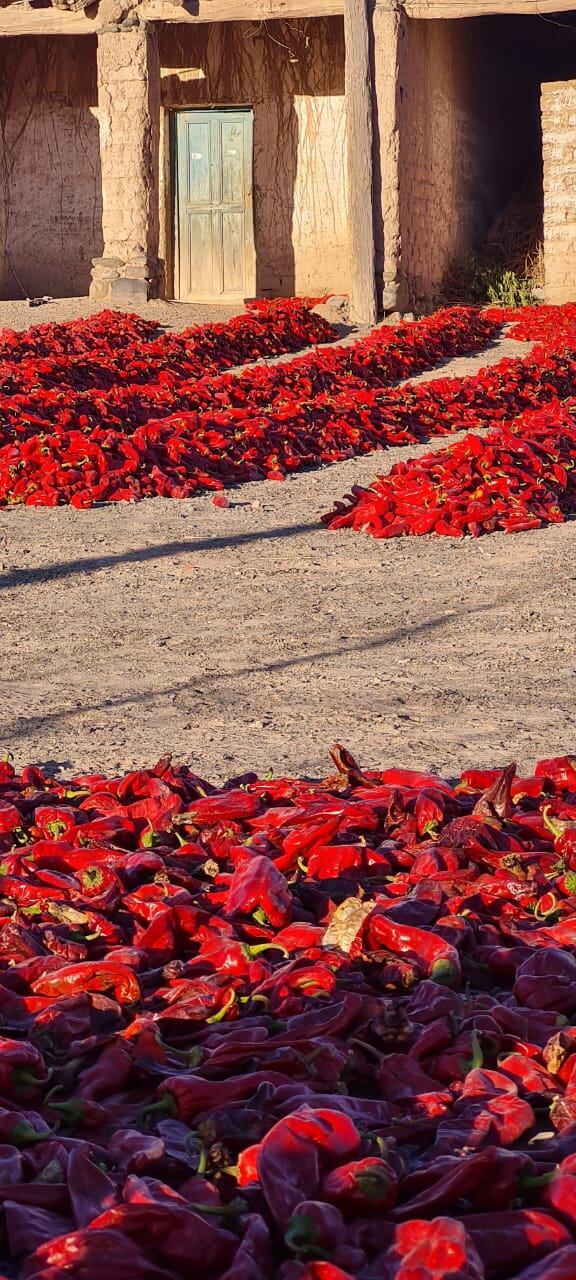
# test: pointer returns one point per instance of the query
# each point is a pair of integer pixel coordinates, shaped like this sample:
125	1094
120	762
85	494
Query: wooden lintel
481	8
20	19
238	10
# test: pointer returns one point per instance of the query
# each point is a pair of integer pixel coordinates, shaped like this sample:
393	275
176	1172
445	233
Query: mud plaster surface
252	637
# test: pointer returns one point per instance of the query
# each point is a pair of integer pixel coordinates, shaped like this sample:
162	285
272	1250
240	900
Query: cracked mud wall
50	194
292	75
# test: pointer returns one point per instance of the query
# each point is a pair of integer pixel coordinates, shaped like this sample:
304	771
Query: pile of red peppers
112	349
513	479
552	325
312	1030
518	477
160	417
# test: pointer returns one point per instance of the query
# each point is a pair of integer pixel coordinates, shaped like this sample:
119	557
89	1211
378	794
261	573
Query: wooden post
358	85
388	29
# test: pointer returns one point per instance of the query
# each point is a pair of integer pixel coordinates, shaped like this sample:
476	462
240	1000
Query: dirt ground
174	315
252	637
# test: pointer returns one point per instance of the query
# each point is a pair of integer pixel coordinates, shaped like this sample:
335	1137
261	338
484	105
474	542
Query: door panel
213	204
197	163
233	250
232	148
197	258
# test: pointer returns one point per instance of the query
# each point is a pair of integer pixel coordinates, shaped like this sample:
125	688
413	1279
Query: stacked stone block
559	154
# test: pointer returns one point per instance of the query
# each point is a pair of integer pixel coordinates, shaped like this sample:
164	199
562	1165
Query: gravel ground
174	315
252	637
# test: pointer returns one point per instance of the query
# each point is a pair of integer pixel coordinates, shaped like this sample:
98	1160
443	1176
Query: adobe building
218	149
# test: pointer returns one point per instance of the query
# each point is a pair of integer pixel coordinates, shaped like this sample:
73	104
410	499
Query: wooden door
214	249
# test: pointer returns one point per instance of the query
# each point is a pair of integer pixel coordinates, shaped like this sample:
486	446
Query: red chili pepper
91	977
516	1237
319	1270
258	885
186	1096
435	958
561	771
362	1185
315	1228
53	822
230	806
433	1250
291	1156
10	818
557	1266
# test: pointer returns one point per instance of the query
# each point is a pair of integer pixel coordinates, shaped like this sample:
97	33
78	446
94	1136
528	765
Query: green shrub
508	289
480	283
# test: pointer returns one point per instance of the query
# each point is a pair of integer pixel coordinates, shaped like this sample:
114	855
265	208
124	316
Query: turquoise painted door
214	234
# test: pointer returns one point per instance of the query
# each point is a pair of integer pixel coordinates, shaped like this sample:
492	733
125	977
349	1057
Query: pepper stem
368	1048
268	946
218	1017
165	1106
232	1210
531	1182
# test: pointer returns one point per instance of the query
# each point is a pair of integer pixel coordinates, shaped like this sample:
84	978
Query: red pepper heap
157	421
307	1030
519	477
513	479
110	349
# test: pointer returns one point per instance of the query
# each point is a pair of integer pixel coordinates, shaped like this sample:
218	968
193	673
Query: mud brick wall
50	188
558	103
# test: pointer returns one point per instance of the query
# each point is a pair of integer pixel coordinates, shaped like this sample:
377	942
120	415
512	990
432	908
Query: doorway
213	213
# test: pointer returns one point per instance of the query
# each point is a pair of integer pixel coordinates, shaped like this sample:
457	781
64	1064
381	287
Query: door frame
174	229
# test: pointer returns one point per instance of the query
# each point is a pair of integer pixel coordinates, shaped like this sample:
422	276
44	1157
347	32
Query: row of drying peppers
130	442
548	324
364	370
514	479
107	331
312	1030
521	476
124	349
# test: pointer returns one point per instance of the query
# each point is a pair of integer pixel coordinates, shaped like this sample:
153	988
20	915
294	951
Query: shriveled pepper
91	977
434	957
258	885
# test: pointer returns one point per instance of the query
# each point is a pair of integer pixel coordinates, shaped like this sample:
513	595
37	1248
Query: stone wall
292	75
559	151
468	137
129	120
50	189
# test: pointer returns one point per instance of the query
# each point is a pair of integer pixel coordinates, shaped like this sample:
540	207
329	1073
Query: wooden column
388	27
358	84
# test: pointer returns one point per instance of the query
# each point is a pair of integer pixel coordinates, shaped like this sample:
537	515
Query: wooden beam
19	19
358	91
481	8
238	10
